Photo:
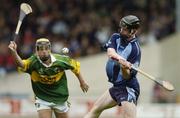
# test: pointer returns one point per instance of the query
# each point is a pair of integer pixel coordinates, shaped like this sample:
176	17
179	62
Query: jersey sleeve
67	63
76	66
26	63
112	41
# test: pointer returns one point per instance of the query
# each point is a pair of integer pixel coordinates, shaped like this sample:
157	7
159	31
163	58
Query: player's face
43	52
125	32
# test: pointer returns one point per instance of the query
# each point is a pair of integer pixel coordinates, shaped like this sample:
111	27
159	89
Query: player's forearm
113	55
126	73
18	59
80	78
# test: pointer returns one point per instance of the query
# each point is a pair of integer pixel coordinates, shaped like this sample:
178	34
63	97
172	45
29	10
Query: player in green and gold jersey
48	78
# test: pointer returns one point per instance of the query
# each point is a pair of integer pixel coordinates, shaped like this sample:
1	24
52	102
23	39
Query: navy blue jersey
129	50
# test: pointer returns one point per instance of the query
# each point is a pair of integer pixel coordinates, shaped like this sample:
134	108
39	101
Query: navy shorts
120	94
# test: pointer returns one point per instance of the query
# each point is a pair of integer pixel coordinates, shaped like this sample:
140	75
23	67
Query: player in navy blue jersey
124	52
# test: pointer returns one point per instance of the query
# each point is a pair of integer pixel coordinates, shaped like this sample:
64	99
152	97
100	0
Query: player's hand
84	87
125	64
13	46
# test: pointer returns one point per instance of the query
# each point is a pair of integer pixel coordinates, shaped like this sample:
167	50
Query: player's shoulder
32	57
115	36
60	57
135	45
135	41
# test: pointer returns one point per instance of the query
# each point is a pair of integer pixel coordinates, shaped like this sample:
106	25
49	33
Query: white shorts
41	105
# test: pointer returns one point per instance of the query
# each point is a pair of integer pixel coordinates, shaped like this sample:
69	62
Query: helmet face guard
43	44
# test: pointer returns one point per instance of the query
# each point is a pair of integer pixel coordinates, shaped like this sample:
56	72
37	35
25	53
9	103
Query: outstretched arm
84	86
126	66
13	48
113	55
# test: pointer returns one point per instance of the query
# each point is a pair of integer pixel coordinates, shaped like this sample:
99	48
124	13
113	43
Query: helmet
130	22
43	43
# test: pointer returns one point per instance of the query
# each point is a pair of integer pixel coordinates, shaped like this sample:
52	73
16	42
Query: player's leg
129	109
126	98
128	104
46	113
61	115
43	108
104	102
61	110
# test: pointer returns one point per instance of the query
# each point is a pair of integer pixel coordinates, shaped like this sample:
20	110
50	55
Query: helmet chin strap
130	36
132	32
44	59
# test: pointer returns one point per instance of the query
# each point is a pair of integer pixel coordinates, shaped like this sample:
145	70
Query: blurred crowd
81	25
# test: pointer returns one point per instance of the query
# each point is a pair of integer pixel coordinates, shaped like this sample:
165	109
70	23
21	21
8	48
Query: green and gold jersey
49	82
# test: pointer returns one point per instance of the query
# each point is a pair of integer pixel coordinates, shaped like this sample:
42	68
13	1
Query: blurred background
84	26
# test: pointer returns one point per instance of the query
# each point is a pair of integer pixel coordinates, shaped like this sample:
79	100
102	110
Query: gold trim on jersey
46	79
26	65
76	66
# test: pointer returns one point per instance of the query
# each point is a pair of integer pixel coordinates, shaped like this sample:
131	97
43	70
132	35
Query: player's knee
129	110
129	114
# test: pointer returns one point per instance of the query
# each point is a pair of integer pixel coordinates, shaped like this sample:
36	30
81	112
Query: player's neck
131	37
48	62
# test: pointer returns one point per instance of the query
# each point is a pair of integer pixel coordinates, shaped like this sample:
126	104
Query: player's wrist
121	61
14	52
117	58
